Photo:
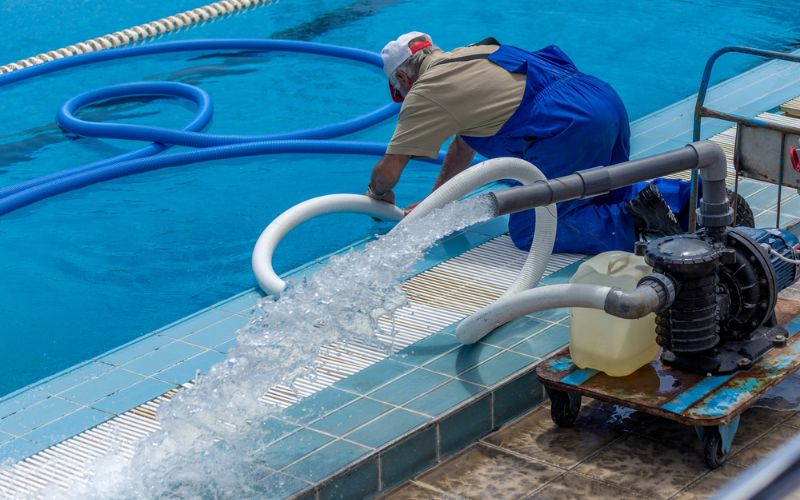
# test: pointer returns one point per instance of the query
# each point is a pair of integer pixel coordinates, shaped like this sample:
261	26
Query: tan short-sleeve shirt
473	98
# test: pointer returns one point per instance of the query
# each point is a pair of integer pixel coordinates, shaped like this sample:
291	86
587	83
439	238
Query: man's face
402	82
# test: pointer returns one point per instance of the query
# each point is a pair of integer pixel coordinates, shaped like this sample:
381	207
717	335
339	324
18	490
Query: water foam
211	434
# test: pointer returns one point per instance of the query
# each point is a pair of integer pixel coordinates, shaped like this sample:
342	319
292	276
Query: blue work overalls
569	121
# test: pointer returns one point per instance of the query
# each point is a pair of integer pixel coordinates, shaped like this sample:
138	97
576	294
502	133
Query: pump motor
727	284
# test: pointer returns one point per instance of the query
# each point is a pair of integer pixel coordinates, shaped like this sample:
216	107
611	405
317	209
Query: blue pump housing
782	242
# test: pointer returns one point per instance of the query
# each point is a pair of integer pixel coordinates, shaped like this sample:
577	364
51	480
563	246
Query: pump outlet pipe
715	215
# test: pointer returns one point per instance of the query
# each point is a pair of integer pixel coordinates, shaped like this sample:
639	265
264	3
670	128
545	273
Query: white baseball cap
396	52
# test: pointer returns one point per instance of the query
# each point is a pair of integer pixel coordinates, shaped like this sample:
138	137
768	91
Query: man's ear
403	77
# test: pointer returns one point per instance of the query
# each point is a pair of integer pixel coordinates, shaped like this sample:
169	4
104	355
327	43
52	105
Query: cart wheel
713	454
564	407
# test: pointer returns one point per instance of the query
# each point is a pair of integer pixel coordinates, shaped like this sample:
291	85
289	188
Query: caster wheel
713	454
564	407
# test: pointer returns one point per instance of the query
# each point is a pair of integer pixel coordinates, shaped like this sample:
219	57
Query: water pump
727	283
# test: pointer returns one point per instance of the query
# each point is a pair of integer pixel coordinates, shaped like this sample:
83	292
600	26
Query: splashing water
208	445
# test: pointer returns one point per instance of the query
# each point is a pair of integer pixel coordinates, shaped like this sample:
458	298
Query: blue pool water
89	270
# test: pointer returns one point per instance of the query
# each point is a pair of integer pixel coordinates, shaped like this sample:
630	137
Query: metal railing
701	111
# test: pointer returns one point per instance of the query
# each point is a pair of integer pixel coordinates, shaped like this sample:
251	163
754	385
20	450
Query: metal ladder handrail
701	111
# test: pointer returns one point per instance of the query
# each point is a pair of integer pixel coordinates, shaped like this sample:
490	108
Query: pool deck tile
17	449
102	386
32	417
293	447
68	426
218	333
165	356
408	387
373	376
351	416
327	460
544	342
497	369
20	400
188	369
194	323
79	375
387	428
135	349
125	399
444	398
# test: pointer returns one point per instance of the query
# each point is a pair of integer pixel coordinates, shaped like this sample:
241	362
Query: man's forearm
386	173
459	156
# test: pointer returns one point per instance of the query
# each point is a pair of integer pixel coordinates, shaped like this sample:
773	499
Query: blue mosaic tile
293	447
409	387
135	349
408	457
17	449
361	481
218	333
465	427
4	438
765	199
227	346
101	387
552	315
193	324
428	349
274	429
514	332
517	397
326	461
318	405
186	370
768	219
166	356
444	398
790	205
351	416
497	369
563	275
460	243
748	187
21	400
493	228
241	303
373	376
24	421
68	426
463	359
545	342
278	485
125	399
64	381
387	428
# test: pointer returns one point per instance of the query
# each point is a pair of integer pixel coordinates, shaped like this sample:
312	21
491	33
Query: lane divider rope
142	32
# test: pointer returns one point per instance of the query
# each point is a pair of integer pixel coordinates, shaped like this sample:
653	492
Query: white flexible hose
268	280
475	327
491	170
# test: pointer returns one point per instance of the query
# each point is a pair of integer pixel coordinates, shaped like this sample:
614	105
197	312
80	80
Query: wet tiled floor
610	453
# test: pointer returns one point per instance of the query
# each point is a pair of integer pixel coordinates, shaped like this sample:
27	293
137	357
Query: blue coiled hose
212	146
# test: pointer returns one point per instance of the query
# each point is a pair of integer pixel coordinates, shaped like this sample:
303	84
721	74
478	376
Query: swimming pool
91	269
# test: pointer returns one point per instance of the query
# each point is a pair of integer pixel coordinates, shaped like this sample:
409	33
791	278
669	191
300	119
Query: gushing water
212	433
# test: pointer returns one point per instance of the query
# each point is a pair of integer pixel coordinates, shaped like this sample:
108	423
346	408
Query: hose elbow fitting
654	293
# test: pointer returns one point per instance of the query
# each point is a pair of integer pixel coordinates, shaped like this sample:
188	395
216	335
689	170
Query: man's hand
387	197
411	207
